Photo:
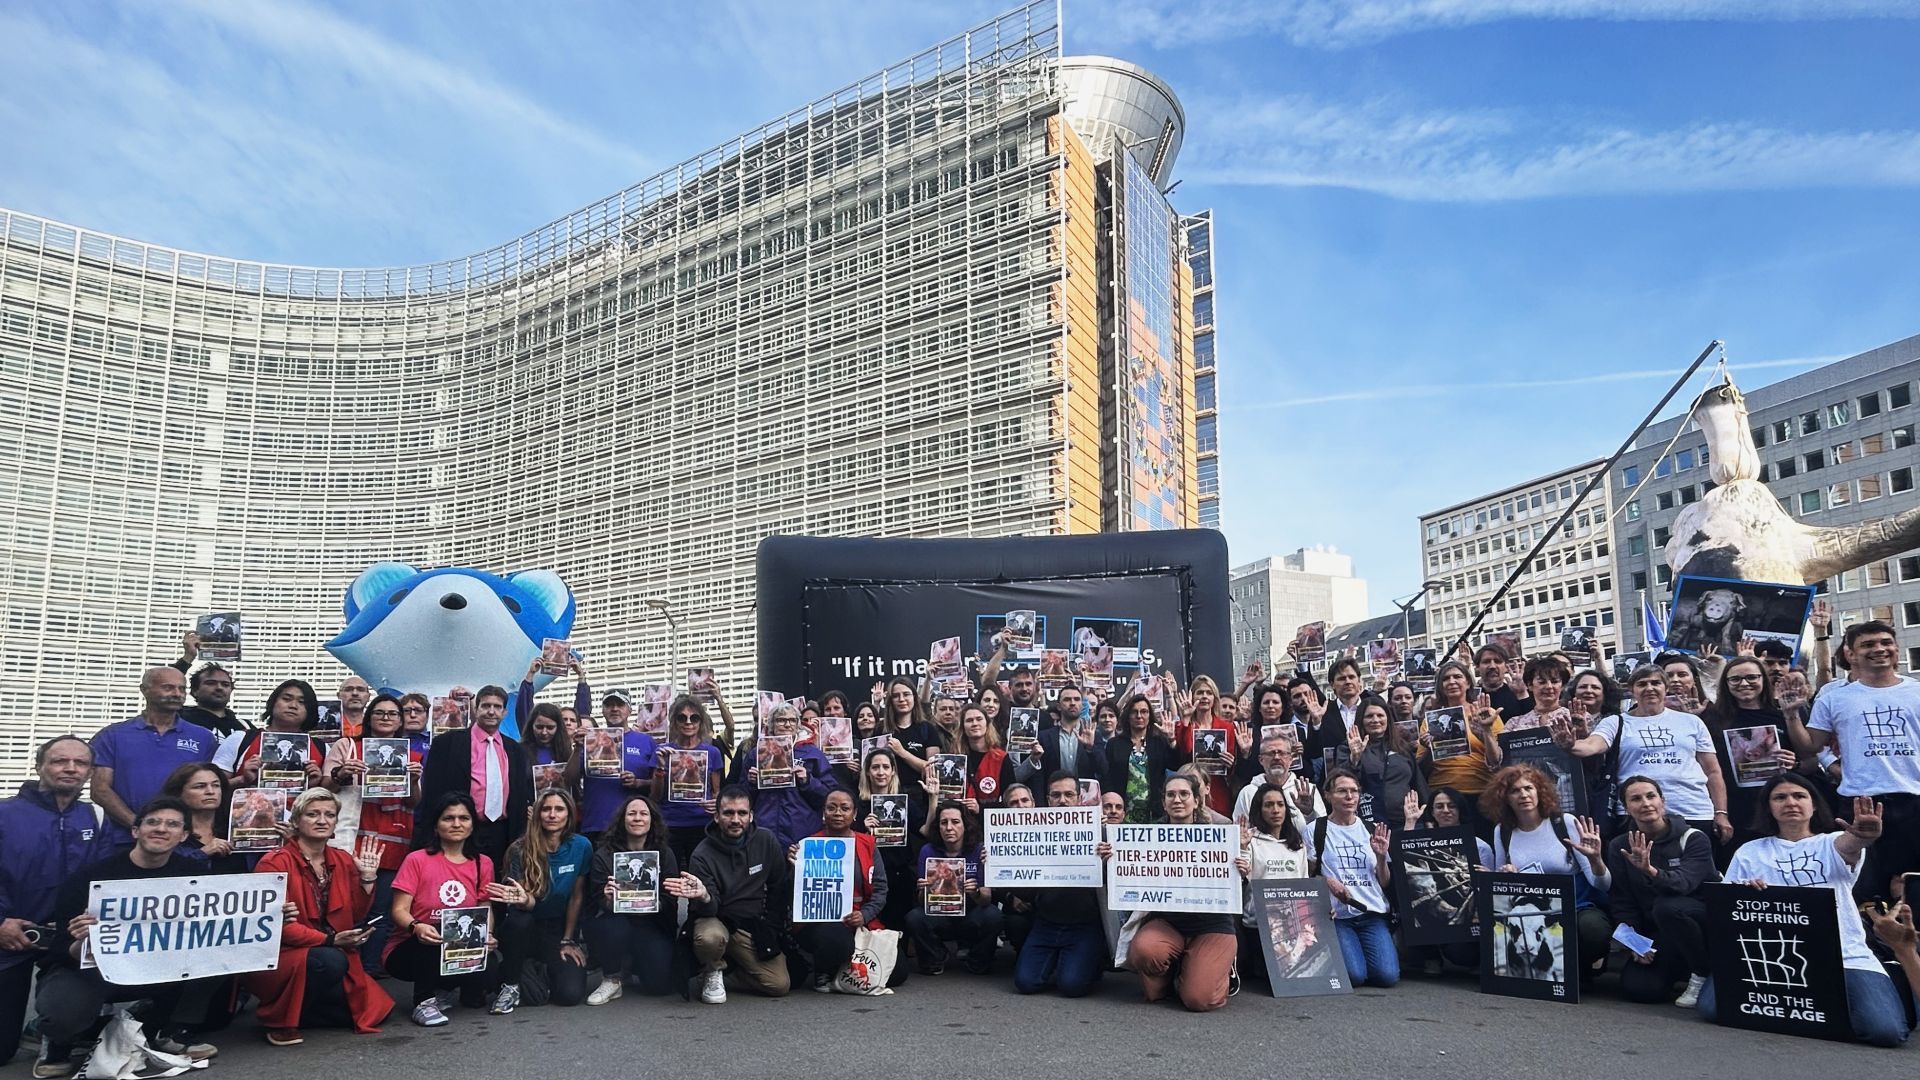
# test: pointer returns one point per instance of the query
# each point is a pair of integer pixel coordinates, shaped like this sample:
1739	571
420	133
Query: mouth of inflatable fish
435	634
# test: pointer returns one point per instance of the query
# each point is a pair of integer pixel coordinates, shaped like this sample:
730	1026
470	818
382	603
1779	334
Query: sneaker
713	987
428	1014
1431	968
54	1062
175	1042
507	1000
822	983
608	990
284	1037
1690	997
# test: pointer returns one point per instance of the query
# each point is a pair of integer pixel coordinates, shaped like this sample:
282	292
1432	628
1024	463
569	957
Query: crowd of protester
1305	770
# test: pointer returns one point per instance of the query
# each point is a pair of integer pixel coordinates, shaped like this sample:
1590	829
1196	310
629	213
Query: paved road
977	1027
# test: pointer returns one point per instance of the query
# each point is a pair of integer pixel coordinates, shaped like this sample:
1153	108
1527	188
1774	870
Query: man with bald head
354	695
132	758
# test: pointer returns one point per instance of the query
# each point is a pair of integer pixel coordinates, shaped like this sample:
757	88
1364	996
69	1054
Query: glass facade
1199	233
850	321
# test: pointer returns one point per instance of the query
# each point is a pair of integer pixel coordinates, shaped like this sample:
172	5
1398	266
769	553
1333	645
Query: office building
1206	430
1836	447
1273	598
1471	548
947	300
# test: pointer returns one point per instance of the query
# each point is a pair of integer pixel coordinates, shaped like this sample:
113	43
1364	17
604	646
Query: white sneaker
427	1014
608	990
713	991
507	1000
1690	997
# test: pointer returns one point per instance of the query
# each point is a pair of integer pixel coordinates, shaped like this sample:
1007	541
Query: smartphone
372	921
1910	888
1473	694
38	936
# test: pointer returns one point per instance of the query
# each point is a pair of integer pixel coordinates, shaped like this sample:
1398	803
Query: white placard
1043	847
823	879
1174	868
163	930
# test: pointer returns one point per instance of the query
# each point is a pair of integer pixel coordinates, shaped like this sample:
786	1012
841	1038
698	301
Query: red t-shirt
436	883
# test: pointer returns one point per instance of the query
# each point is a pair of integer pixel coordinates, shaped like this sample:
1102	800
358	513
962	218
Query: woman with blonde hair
548	865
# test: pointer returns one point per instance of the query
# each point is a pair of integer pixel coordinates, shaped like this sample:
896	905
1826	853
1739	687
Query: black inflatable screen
846	613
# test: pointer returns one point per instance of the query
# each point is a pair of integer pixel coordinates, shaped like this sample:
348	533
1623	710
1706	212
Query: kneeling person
736	897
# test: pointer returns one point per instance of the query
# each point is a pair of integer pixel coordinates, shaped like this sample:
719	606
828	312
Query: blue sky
1462	242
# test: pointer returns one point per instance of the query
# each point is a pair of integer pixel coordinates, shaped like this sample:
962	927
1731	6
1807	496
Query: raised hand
1410	809
1383	841
1866	822
1640	851
1589	842
1821	616
1356	742
1894	928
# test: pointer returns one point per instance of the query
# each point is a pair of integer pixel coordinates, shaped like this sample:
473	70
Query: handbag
875	953
123	1054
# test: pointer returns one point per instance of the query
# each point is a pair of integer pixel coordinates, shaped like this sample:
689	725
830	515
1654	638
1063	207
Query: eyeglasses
1746	678
415	709
388	713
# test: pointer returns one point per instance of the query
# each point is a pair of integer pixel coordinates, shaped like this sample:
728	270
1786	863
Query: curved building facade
879	315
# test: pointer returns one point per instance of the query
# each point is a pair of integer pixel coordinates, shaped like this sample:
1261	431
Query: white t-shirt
1539	851
1810	863
1270	858
1348	858
1879	735
1663	747
1243	803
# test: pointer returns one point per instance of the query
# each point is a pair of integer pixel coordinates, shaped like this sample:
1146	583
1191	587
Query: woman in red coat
319	981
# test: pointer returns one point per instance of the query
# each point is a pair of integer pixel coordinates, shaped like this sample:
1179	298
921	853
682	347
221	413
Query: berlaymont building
948	300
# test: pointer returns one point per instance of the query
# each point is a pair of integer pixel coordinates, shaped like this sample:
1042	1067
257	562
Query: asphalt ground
962	1027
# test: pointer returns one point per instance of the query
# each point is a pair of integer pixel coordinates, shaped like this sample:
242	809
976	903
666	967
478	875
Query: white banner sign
1043	848
823	879
1174	868
161	930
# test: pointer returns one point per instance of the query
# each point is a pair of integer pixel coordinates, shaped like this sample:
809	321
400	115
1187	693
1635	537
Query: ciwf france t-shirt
1348	857
1879	733
1664	747
1810	863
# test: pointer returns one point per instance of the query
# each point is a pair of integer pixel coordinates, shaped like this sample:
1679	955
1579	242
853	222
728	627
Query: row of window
1837	414
1509	509
1513	542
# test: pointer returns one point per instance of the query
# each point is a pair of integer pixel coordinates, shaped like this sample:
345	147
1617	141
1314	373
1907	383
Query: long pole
1596	480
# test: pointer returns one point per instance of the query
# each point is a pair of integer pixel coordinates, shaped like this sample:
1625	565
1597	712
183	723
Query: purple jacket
788	813
42	846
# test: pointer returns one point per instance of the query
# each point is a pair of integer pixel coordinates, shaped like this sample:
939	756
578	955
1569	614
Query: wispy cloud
1341	23
1478	388
1492	155
322	39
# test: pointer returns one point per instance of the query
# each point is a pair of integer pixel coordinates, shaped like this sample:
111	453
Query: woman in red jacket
831	944
319	980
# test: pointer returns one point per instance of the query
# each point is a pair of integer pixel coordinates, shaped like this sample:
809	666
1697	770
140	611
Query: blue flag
1656	636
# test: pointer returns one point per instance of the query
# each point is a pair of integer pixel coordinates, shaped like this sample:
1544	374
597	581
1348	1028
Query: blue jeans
1066	958
1366	943
1872	1004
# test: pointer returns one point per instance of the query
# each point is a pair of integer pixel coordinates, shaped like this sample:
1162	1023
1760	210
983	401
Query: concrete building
948	300
1836	446
1206	391
1273	598
1471	547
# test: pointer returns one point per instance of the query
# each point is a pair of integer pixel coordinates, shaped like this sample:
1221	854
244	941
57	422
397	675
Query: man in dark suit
484	764
1066	745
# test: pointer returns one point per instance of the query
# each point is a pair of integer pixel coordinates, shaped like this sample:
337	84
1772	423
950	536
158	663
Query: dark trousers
418	963
978	931
325	1003
524	937
382	905
637	945
16	985
1680	939
69	1002
490	838
1060	957
1896	852
830	945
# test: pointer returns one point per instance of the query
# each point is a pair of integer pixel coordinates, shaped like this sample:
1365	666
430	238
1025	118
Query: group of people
1318	781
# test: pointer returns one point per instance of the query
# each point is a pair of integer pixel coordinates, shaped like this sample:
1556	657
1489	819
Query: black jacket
746	882
1090	762
1162	757
449	768
1683	868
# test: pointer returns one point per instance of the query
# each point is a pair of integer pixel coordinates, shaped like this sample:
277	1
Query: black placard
1535	747
1433	891
1776	960
1529	947
1297	937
